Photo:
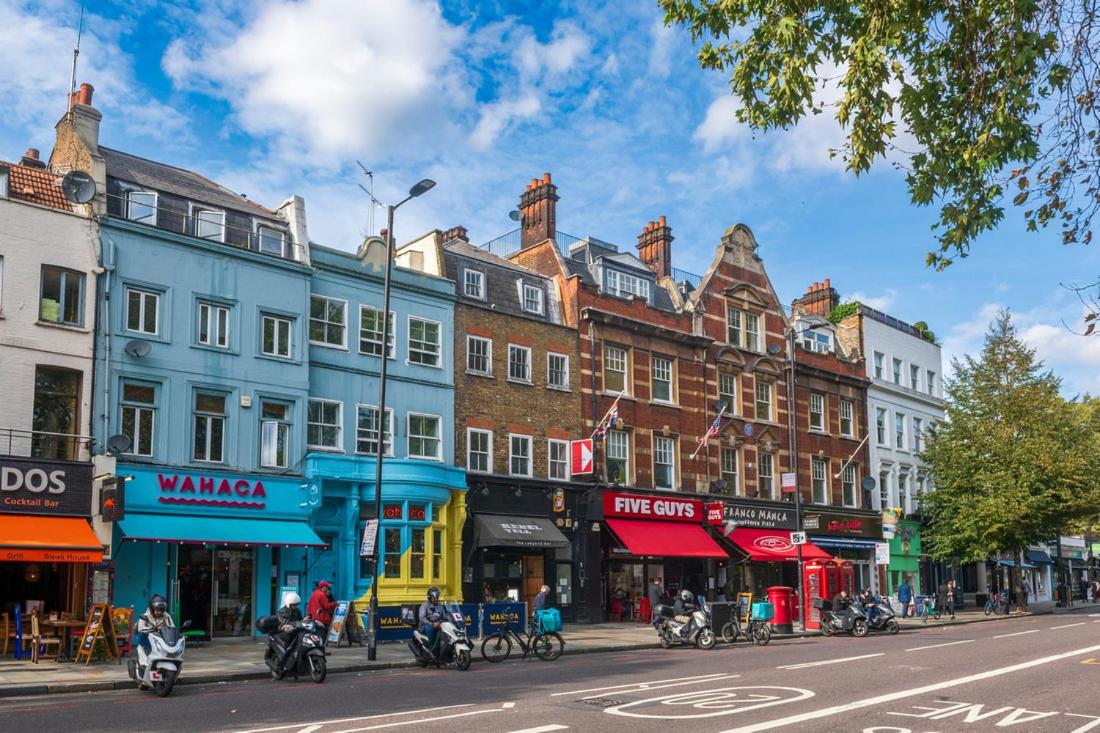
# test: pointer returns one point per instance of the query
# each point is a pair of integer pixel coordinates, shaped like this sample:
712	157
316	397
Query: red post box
782	599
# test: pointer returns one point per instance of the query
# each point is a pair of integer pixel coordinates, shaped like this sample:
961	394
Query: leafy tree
1001	98
1014	463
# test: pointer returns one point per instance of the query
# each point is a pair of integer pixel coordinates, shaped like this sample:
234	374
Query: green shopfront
905	549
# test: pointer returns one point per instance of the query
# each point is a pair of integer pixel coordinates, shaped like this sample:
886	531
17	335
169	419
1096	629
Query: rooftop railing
45	445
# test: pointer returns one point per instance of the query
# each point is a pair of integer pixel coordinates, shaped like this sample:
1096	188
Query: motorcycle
307	653
160	666
673	629
834	622
454	645
879	617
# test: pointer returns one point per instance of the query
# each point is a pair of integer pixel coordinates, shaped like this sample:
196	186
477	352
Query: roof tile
36	186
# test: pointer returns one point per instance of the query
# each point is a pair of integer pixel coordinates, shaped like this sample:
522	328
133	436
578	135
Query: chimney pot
31	153
534	182
538	206
84	95
383	233
655	247
546	177
827	283
662	220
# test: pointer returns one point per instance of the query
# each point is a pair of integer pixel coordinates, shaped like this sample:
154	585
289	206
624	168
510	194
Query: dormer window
271	241
623	284
532	299
209	223
473	284
817	341
141	206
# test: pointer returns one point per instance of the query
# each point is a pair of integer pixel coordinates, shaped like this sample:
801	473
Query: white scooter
160	666
454	645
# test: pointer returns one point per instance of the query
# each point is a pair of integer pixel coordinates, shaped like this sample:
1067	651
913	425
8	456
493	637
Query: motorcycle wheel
318	668
548	647
463	659
827	628
762	635
859	628
269	658
496	648
163	688
705	639
988	608
729	632
892	626
665	642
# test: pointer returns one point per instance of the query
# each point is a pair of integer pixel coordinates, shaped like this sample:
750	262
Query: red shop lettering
847	525
209	485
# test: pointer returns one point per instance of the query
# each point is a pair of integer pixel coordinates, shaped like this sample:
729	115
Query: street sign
787	482
581	453
370	538
798	538
811	521
882	553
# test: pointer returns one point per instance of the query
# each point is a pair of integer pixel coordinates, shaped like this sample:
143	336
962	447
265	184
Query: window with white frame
62	296
618	456
557	371
615	362
5	181
327	321
142	311
918	427
324	424
897	371
763	400
1	283
820	481
271	240
519	455
733	326
664	462
473	284
880	425
424	342
274	434
817	341
209	224
661	376
519	363
730	472
366	431
623	284
213	325
884	489
276	336
899	430
425	436
557	452
727	390
765	475
914	377
479	450
532	299
848	482
141	206
370	332
931	382
903	486
752	332
847	422
817	411
878	365
479	355
209	424
139	411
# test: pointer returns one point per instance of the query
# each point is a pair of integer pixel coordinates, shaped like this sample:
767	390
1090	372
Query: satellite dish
119	444
137	348
868	483
78	187
773	349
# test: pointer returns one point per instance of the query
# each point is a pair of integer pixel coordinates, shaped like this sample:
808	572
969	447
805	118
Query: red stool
644	611
616	613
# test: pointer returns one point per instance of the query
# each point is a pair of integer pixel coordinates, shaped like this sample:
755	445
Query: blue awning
218	530
1012	564
850	543
1037	557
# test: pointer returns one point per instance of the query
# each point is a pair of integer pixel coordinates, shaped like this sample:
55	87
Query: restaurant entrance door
214	589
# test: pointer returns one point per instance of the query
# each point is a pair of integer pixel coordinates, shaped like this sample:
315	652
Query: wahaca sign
56	488
638	506
199	490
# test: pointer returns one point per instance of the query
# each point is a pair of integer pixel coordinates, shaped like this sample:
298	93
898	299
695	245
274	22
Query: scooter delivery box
267	624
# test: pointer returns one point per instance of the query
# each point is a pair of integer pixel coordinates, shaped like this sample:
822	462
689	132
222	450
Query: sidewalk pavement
242	659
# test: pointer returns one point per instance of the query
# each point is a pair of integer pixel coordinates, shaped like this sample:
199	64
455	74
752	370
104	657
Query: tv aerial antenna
76	54
369	190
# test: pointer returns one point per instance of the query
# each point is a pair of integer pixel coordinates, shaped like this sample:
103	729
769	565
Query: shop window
327	321
209	415
479	450
557	371
765	475
324	425
370	332
727	390
820	481
213	325
519	363
661	376
62	296
519	455
142	309
424	342
763	401
664	463
276	336
479	356
847	425
366	431
56	410
730	473
557	452
618	457
424	437
139	417
615	369
274	434
437	554
417	552
392	551
848	481
817	412
394	512
880	425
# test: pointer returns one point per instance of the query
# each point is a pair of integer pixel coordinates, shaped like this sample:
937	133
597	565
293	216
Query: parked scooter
693	628
159	668
877	617
307	653
454	645
833	622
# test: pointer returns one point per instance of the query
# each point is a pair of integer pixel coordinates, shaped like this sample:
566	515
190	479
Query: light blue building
423	492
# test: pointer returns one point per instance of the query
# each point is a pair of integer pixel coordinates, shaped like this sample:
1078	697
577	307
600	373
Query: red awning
769	545
665	539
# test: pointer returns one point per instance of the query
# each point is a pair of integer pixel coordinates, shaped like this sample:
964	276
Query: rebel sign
581	453
637	506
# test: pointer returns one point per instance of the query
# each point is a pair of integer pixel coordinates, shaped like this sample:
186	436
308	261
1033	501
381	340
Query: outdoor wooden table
64	631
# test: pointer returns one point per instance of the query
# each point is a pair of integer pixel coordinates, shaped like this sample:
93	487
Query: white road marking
935	646
1067	626
698	678
298	726
310	729
651	686
804	665
399	723
902	694
1018	633
722	701
542	729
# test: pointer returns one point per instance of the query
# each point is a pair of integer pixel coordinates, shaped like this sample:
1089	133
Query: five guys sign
637	506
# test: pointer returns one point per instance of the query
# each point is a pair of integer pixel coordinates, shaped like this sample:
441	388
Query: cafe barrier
482	619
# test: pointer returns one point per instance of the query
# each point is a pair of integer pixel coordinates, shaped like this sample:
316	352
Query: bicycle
930	609
758	631
997	605
546	646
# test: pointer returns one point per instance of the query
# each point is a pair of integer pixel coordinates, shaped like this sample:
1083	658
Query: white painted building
48	264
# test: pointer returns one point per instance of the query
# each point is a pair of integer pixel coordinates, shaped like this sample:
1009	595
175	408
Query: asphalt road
1035	675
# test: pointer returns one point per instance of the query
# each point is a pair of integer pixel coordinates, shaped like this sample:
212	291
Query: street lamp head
421	188
514	215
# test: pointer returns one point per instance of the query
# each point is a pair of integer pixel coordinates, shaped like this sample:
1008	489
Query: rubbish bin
782	599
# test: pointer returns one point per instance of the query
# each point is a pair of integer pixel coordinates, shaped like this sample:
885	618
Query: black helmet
433	594
158	602
687	596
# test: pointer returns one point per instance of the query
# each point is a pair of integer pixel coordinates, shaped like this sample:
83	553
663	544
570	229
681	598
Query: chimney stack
31	159
456	233
538	205
820	299
655	247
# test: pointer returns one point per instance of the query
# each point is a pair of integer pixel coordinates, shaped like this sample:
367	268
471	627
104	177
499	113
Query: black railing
510	243
44	445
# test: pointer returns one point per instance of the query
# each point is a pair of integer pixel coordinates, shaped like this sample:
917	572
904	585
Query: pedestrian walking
941	597
905	595
656	592
952	594
1023	598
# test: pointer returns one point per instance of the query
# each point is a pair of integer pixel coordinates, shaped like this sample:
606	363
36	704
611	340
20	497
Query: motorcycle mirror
186	624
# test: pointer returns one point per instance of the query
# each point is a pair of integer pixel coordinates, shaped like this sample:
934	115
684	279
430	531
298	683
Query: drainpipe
109	269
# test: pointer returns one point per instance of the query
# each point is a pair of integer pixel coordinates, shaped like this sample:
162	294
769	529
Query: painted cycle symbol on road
711	703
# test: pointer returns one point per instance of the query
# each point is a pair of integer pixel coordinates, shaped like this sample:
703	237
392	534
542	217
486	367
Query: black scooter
307	653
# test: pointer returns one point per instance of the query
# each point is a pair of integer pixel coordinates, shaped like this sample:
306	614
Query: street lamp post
420	188
792	438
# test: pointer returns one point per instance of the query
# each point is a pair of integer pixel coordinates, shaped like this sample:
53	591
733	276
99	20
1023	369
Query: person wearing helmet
431	613
684	605
154	617
289	616
321	607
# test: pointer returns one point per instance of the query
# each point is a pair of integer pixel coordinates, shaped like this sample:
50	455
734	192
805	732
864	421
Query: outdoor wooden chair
7	633
123	620
40	642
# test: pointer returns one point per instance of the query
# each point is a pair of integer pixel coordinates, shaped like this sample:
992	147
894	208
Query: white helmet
292	599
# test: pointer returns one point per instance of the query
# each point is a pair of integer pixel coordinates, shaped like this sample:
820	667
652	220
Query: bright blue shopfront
218	545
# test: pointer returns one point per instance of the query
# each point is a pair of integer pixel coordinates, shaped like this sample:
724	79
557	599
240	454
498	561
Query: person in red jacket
321	607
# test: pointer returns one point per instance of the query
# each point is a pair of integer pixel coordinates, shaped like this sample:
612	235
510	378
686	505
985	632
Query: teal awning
218	530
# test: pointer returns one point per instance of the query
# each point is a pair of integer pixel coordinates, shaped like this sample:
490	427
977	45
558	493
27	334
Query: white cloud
568	44
720	126
496	116
878	302
662	42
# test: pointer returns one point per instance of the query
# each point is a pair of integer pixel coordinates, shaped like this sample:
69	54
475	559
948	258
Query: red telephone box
821	579
847	576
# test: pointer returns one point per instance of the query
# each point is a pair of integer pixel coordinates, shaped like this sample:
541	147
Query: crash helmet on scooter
687	596
292	599
433	595
158	603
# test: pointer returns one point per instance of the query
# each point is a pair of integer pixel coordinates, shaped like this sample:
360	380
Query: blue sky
278	98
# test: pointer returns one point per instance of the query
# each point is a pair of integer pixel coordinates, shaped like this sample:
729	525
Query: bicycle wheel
549	647
989	607
729	632
496	648
762	634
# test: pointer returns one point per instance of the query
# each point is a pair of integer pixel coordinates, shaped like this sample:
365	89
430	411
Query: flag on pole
608	420
713	430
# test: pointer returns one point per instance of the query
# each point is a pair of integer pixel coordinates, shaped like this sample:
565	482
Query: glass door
232	592
193	585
